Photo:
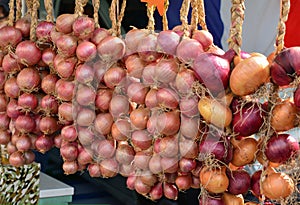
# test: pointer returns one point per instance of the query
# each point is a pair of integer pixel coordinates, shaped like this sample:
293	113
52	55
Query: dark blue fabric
213	18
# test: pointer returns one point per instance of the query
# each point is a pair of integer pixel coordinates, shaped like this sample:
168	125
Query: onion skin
249	75
244	151
255	183
167	42
10	36
111	49
64	23
28	53
211	200
168	123
239	181
230	199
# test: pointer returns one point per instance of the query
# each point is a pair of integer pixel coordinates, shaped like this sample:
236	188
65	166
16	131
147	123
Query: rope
49	8
237	19
18	9
120	17
29	6
164	17
284	11
96	4
184	11
150	14
34	19
79	7
11	14
201	15
195	16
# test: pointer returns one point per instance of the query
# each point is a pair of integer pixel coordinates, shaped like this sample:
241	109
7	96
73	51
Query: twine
201	15
237	19
112	15
29	6
120	18
184	11
195	14
49	8
79	7
18	9
96	4
150	14
284	11
164	17
11	14
34	19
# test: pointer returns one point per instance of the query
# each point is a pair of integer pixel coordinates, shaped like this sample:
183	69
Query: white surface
50	187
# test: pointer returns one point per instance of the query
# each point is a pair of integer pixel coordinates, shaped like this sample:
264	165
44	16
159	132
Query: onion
64	22
86	117
12	110
48	125
109	168
184	182
133	37
204	37
255	183
43	31
10	64
242	77
121	130
239	181
189	106
4	121
130	181
149	74
141	187
248	119
28	79
166	70
185	80
98	35
169	164
244	151
69	133
48	83
2	80
64	89
155	165
10	36
11	88
188	50
148	178
16	159
25	123
27	102
103	99
211	200
105	149
147	48
29	157
69	152
169	146
215	112
190	127
137	92
214	180
233	199
48	56
296	97
85	95
103	123
3	102
111	49
83	27
94	170
23	143
66	45
44	143
124	154
86	51
142	160
281	147
141	139
28	53
70	167
49	104
118	106
187	165
156	191
114	76
23	24
126	170
188	148
86	135
168	123
277	185
170	191
150	99
284	116
135	65
58	140
139	118
167	42
65	112
4	137
84	74
167	98
66	67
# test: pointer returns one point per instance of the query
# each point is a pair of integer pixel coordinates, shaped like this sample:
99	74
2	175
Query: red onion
2	80
11	88
133	38
255	183
248	119
64	22
84	73
211	200
86	135
10	64
49	104
11	148
213	70
239	181
109	168
170	191
188	148
156	191
98	35
168	146
86	51
204	37
65	112
169	164
43	31
48	84
147	48
70	167
119	105
149	74
17	159
167	42
3	102
134	65
141	187
103	99
23	24
152	123
297	97
10	36
58	140
187	165
86	117
25	123
69	152
83	27
64	89
148	178
28	79
29	157
124	154
4	137
126	170
27	102
281	147
111	49
136	92
44	143
28	53
184	182
48	56
114	76
48	125
23	143
142	159
168	123
85	95
139	118
69	133
12	110
105	149
94	170
167	98
121	130
141	139
190	127
151	99
188	50
184	81
66	45
103	123
155	165
66	67
166	70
